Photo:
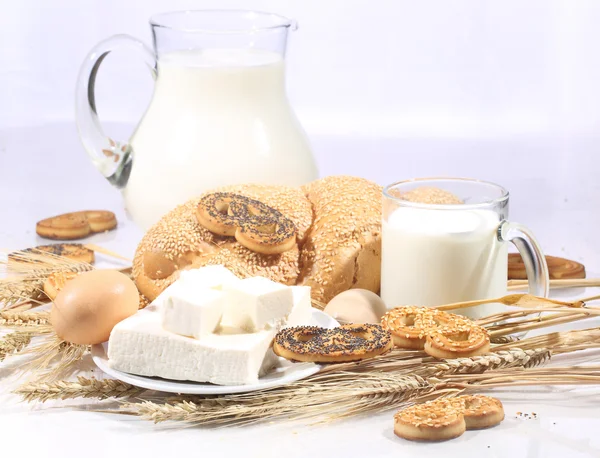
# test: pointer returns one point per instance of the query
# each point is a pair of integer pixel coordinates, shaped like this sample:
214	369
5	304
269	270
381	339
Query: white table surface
555	190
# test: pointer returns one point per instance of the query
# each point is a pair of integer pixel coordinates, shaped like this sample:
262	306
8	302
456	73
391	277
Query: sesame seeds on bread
338	223
178	241
343	248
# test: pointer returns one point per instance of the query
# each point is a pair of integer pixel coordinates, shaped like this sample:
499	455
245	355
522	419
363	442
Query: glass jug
219	114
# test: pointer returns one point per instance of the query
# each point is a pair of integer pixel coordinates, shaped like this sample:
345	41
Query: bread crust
343	248
338	246
181	240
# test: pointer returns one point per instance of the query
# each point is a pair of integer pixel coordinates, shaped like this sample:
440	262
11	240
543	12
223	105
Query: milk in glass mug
219	114
434	254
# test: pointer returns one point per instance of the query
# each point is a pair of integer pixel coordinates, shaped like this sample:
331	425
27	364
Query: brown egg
356	306
91	304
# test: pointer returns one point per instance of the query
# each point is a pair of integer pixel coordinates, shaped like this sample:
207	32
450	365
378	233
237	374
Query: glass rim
407	203
158	20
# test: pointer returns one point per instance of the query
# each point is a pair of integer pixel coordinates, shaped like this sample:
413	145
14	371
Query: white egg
356	306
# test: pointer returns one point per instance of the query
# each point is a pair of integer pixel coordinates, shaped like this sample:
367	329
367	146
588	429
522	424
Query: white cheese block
302	311
256	303
208	277
139	345
191	311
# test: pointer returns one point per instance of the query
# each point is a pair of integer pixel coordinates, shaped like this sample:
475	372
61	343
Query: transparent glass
440	253
219	114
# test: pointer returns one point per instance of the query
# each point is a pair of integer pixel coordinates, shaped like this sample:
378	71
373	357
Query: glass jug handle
112	158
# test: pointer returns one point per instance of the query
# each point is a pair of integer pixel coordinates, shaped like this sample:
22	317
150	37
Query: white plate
285	372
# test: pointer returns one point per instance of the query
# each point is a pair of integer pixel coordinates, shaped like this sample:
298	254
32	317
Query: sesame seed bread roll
338	245
178	242
343	246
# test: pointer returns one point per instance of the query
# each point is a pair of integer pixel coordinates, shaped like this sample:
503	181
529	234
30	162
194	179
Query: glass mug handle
531	252
112	158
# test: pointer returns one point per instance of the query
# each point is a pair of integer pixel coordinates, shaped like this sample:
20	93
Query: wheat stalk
33	261
418	362
106	251
515	357
571	375
559	342
491	322
504	339
337	398
557	283
504	324
25	319
542	322
31	272
82	388
536	372
14	290
332	395
14	343
23	306
52	357
494	361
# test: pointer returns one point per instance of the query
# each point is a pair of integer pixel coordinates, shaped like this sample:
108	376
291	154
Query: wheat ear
52	357
330	395
14	343
25	319
82	388
492	361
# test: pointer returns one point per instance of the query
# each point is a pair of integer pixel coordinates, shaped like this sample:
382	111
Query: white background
461	68
500	90
506	91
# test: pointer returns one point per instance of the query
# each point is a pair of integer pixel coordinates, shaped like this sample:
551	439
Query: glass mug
434	254
219	114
